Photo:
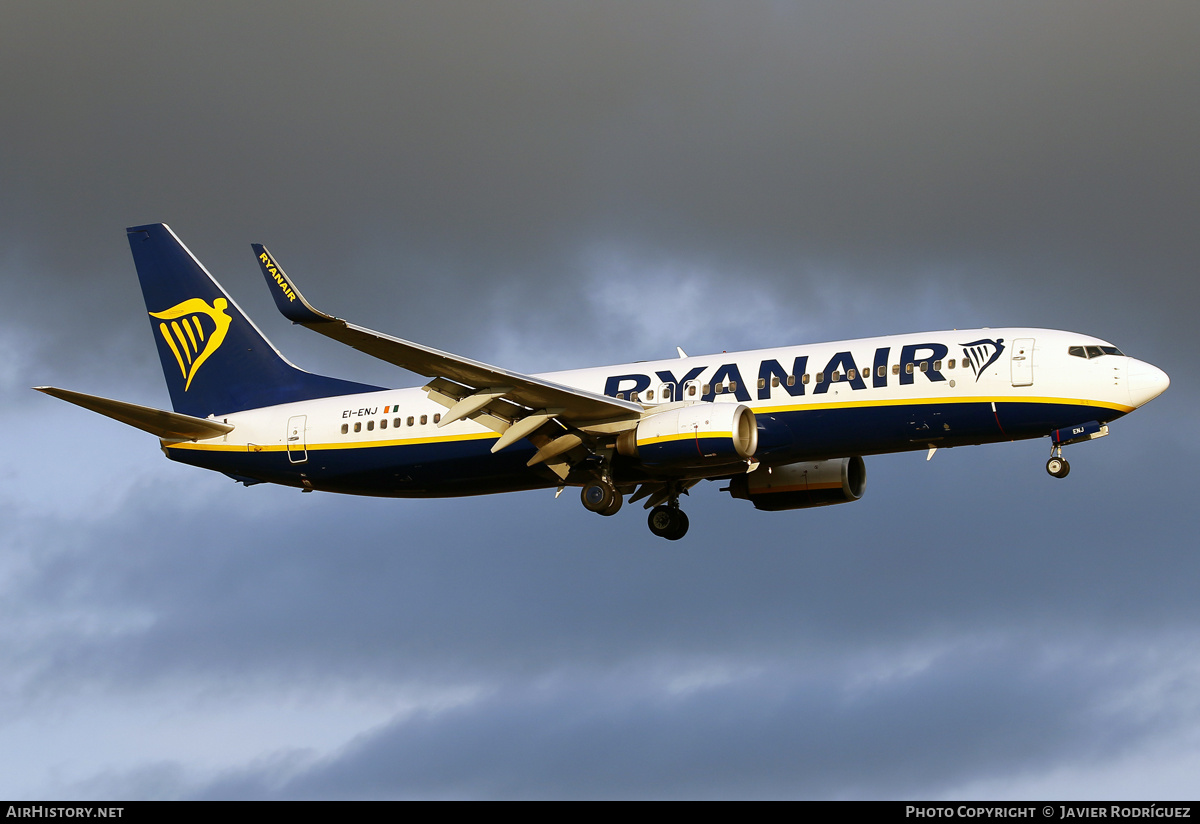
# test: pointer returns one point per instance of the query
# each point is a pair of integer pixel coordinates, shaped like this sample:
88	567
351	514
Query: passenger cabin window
951	364
633	396
409	421
345	428
762	383
851	374
691	390
881	371
620	396
937	366
650	395
896	368
437	418
396	423
820	377
733	386
791	381
804	378
924	366
358	426
370	426
424	419
383	424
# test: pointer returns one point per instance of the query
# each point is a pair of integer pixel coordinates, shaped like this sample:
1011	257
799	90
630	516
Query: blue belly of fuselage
468	467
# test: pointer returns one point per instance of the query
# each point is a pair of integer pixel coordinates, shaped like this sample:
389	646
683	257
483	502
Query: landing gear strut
1057	465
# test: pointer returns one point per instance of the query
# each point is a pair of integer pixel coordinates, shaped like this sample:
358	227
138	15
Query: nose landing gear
1057	465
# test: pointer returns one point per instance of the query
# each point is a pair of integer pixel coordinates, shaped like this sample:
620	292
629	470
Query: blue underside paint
467	467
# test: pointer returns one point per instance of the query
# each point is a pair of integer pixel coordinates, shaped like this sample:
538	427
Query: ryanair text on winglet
275	273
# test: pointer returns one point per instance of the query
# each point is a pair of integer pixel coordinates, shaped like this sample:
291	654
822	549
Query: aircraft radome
785	428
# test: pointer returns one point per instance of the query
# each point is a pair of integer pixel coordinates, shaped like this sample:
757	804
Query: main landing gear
601	497
1057	465
668	521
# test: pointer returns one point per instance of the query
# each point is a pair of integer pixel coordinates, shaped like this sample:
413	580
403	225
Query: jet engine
697	435
802	485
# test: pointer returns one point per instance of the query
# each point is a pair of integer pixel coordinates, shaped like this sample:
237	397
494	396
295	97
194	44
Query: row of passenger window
1093	351
396	423
850	374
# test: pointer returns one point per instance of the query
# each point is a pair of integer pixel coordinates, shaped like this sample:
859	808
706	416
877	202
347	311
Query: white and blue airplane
786	428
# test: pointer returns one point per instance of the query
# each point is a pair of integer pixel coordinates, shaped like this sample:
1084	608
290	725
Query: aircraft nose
1146	382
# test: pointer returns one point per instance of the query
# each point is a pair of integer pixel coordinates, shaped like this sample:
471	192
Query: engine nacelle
698	435
801	485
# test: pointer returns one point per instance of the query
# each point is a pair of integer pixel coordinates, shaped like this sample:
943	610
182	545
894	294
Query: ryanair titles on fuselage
729	377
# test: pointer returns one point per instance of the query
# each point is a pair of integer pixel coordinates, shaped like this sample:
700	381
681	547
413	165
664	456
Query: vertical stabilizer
214	358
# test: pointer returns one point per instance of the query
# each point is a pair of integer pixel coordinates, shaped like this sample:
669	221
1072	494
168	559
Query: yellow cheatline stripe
221	447
857	404
242	447
681	437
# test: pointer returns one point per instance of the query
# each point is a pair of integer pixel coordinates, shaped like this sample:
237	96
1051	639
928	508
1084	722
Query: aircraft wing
467	387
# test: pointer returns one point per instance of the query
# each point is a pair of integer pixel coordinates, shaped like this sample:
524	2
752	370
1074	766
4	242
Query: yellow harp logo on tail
186	335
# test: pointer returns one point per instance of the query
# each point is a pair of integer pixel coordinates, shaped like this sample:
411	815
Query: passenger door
1022	362
296	448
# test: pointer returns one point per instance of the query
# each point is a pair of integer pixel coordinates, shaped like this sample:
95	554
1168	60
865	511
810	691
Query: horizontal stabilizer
169	425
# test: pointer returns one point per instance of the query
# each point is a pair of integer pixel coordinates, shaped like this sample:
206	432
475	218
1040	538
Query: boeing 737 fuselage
786	428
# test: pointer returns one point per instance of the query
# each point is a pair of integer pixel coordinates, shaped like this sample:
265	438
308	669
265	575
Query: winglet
287	297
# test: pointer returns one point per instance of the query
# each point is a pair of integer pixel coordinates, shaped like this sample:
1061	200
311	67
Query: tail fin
214	358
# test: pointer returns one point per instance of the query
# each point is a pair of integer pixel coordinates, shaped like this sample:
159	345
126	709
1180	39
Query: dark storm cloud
1020	147
783	730
550	186
809	666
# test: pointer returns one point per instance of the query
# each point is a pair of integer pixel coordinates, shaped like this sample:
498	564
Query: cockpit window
1093	351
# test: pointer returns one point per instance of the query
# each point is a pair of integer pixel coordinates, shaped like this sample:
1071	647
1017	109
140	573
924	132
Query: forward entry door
1022	362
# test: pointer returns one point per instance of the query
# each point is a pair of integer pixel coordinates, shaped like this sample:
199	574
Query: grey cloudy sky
552	185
